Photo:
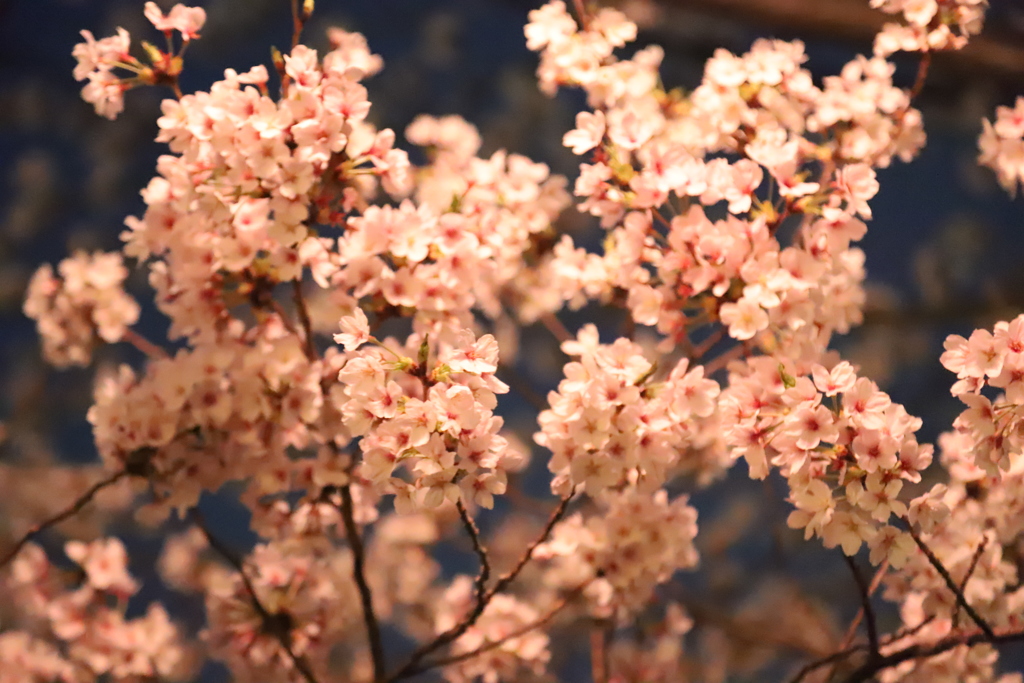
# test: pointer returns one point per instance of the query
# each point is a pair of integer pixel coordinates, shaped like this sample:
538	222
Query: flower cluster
729	217
185	20
216	413
972	526
304	600
1002	145
660	658
435	421
505	656
485	221
993	430
89	621
81	305
98	59
651	151
571	57
636	541
610	425
843	445
929	25
231	208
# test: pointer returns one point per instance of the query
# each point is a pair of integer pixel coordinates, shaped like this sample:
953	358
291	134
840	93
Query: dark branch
304	319
64	514
492	644
853	20
480	583
414	666
870	621
951	584
272	622
970	572
152	351
522	387
599	668
355	542
833	658
868	670
556	516
906	632
581	13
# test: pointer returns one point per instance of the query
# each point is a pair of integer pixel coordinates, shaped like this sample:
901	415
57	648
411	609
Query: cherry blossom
1002	145
729	214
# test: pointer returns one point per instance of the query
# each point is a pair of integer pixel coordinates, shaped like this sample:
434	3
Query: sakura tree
344	330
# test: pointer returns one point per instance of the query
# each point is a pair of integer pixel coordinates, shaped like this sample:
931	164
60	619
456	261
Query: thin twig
359	573
414	666
556	516
480	583
951	584
868	670
581	12
556	327
970	572
304	319
599	651
64	514
285	320
833	658
492	644
906	632
270	620
922	74
722	361
147	347
298	21
846	647
700	349
851	630
870	621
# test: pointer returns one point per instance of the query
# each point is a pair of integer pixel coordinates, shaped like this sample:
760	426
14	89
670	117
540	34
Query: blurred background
944	250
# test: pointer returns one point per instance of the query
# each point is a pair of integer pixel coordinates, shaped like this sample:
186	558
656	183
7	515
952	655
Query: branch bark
355	542
64	514
271	621
854	20
951	584
415	665
870	622
868	670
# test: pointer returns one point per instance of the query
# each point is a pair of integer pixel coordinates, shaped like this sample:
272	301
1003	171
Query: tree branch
555	326
509	376
480	583
851	631
492	644
970	572
871	624
152	351
853	20
599	651
304	319
272	622
359	574
414	666
833	658
868	670
951	584
581	12
64	514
